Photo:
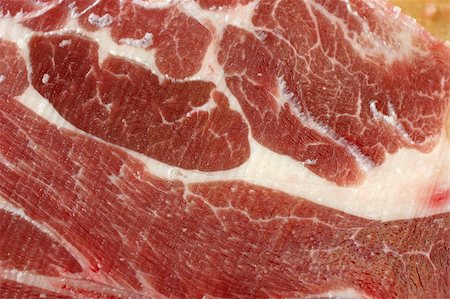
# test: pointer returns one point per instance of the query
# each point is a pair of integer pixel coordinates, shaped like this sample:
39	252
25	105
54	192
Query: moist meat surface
222	149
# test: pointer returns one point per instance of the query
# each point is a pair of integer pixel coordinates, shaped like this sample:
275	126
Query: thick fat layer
138	234
401	192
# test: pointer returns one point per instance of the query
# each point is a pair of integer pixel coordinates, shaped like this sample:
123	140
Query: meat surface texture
222	149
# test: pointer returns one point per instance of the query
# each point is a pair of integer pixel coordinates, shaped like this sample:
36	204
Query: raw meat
222	149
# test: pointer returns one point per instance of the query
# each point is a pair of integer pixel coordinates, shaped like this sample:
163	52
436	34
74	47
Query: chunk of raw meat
222	149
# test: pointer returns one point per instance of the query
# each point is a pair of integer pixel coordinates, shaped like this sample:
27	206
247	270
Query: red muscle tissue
222	149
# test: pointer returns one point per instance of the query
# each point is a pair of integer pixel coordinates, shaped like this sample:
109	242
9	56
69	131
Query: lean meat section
222	149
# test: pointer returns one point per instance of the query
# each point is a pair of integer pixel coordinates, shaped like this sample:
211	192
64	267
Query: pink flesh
83	213
224	239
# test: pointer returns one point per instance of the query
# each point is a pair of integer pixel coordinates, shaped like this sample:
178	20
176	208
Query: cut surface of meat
186	124
13	71
224	239
222	149
331	100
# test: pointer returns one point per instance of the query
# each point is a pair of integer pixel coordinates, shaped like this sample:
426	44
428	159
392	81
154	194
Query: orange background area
434	15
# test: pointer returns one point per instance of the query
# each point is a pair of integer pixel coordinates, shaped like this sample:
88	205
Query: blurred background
432	14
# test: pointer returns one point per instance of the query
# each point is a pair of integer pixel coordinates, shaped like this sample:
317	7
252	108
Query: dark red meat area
180	42
14	7
13	71
54	18
225	239
25	247
329	83
125	104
